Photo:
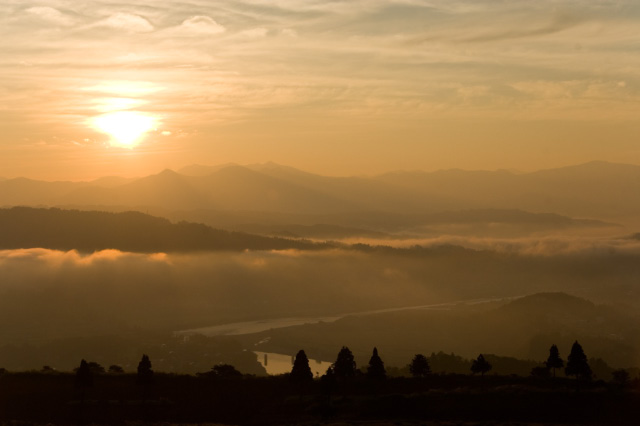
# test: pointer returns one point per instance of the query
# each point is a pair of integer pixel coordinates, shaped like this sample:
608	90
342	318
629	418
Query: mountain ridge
595	190
90	231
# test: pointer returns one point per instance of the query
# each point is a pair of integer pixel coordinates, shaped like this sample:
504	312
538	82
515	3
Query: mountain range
279	197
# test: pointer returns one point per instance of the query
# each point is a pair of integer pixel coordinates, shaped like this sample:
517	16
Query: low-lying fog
48	294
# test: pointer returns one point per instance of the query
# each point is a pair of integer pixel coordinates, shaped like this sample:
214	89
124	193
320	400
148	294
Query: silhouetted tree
345	365
145	373
577	364
600	368
226	371
84	378
554	361
419	366
115	369
621	377
448	363
376	370
47	369
96	368
480	365
540	371
328	382
301	372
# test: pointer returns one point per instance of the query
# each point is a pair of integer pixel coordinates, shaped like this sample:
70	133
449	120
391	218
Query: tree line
344	368
346	391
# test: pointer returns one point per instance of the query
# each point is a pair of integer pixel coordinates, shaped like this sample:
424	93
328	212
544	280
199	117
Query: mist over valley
319	260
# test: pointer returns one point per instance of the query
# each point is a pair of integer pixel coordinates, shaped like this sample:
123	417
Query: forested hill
25	227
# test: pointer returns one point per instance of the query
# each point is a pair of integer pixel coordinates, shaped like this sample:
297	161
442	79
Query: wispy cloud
126	22
51	15
549	246
393	63
559	23
199	26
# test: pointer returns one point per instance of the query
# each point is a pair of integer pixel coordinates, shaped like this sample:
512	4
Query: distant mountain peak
167	172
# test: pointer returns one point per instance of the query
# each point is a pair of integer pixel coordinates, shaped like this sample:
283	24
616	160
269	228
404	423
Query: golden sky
334	87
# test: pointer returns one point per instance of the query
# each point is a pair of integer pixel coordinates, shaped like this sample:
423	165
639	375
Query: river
257	326
276	363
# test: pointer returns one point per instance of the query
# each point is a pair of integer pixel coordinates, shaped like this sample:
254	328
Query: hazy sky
336	87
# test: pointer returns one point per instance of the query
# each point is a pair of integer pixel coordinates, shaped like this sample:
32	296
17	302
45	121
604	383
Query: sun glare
126	128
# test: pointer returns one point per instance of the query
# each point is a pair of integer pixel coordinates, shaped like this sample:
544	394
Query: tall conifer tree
345	365
376	370
554	361
577	364
301	372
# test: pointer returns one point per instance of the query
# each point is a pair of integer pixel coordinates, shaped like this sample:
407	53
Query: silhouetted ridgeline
596	190
25	227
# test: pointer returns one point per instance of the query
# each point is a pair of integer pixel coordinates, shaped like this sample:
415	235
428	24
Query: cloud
529	246
354	64
127	22
560	23
502	25
56	260
119	87
288	32
254	33
50	14
201	25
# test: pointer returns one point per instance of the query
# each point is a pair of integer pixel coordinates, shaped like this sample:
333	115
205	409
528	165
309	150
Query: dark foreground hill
37	398
25	227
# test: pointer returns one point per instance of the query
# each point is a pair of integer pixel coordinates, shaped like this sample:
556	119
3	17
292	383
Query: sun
126	128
